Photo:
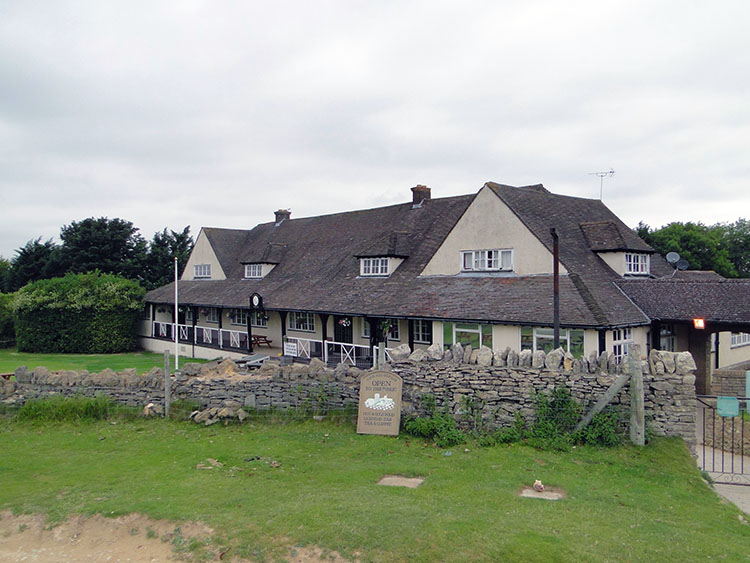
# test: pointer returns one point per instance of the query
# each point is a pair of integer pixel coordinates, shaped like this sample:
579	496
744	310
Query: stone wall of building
499	391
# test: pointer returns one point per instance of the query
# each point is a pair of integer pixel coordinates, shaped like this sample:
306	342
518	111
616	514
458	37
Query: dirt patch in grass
134	538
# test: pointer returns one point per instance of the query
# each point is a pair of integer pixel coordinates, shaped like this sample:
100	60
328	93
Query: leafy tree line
112	246
723	247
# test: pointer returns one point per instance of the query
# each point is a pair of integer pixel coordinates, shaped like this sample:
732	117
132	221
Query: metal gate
723	432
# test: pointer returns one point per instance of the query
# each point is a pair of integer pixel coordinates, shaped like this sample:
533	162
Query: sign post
379	403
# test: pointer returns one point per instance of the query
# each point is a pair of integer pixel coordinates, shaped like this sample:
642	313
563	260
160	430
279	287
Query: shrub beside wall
90	313
7	330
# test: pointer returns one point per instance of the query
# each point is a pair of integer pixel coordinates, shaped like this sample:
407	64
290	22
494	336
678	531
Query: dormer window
487	260
373	267
253	270
202	271
637	264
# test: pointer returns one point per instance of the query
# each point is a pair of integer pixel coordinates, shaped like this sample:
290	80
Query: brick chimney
282	214
420	193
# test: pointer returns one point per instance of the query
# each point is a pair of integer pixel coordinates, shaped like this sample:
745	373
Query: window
543	338
189	315
202	271
302	321
423	332
637	264
365	328
238	317
666	338
467	333
393	332
259	319
253	270
373	266
621	337
212	315
486	260
147	311
740	339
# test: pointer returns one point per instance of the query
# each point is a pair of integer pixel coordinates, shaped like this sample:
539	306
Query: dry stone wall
500	391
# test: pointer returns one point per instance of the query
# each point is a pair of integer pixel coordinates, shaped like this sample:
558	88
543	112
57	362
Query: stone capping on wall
502	391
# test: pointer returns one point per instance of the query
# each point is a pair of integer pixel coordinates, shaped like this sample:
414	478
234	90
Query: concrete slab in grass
547	494
400	481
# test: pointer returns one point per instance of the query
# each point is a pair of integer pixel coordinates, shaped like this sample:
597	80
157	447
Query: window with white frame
373	266
238	317
487	260
467	333
740	339
543	338
253	270
304	322
202	271
189	315
365	329
258	319
621	338
667	338
637	264
423	331
393	332
212	315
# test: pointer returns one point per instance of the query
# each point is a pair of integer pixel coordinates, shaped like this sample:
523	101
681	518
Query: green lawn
623	504
10	359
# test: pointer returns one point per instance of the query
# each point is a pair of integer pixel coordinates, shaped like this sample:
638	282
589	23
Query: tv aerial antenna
602	175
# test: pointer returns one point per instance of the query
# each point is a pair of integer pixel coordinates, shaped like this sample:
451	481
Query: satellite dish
682	264
673	258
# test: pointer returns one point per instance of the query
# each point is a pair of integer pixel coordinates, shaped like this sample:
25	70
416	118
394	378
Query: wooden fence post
637	415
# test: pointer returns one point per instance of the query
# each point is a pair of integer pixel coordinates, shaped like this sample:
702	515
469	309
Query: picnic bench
260	339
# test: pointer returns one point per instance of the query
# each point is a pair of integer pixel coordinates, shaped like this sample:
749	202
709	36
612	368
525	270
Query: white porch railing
307	348
339	352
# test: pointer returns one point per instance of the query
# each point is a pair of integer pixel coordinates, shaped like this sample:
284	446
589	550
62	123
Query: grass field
623	504
10	359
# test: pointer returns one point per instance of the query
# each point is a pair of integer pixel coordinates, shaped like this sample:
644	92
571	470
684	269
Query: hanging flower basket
345	322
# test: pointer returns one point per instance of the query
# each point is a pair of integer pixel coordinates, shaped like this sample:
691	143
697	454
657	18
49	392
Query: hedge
7	330
90	313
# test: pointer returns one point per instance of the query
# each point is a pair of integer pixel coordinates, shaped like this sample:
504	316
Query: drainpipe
556	276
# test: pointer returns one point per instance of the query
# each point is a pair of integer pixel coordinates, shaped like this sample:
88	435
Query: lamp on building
699	324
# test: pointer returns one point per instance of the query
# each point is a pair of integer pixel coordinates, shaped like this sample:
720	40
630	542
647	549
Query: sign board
379	403
728	406
290	349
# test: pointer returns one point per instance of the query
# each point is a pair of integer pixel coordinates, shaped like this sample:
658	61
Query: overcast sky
216	113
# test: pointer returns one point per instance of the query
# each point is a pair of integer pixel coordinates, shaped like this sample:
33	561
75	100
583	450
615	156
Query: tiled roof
605	236
317	266
715	300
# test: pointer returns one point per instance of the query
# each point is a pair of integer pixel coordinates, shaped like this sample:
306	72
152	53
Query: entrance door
342	329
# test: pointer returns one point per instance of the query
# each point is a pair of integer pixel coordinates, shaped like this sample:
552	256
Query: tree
112	246
705	248
161	254
36	260
737	240
4	275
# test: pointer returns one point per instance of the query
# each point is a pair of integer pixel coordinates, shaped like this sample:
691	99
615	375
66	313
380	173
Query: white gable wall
203	253
490	224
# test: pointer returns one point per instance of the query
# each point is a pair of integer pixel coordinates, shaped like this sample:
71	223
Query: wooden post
613	390
167	390
637	415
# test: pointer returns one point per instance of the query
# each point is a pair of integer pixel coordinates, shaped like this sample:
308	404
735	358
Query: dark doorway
342	329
